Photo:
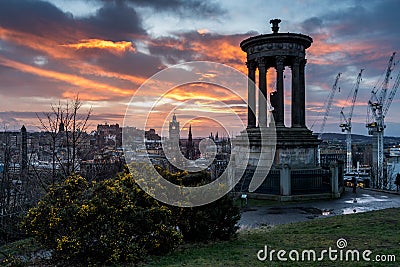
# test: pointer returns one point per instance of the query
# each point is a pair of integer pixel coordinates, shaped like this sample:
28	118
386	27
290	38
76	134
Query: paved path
363	200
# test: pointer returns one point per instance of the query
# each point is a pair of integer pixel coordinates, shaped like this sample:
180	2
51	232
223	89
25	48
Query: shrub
216	220
113	221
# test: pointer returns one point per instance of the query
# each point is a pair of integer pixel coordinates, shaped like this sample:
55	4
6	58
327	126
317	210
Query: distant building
174	129
223	153
394	152
153	143
392	168
152	135
109	136
328	156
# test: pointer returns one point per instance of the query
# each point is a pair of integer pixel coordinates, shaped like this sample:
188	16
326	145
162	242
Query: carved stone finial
275	25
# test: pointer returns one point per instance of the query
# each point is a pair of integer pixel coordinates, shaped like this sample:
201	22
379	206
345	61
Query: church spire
174	117
190	137
190	153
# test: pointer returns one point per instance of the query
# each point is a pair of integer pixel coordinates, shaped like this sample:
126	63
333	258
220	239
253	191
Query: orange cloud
114	47
198	124
96	70
202	31
205	46
325	52
68	78
56	51
83	96
201	91
223	51
344	103
38	43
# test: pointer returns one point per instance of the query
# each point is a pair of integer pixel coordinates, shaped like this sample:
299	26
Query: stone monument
295	168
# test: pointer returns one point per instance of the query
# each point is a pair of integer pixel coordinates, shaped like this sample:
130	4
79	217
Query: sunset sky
104	50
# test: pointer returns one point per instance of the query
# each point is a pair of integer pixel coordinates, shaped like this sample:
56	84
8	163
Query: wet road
362	201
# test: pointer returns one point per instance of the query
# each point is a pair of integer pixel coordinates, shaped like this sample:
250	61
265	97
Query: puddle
356	210
365	199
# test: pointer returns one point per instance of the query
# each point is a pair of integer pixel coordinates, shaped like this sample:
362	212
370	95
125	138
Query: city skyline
104	50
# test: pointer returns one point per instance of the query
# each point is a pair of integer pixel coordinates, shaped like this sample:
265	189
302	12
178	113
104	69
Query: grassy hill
378	231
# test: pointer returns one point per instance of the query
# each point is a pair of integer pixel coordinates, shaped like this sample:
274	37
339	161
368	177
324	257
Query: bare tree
21	183
50	122
67	130
13	200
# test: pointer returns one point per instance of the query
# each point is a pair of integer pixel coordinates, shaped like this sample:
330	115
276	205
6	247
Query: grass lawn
378	231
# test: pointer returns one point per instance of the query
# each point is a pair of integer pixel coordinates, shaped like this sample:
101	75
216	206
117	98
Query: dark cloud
184	8
136	64
18	114
363	35
18	84
311	25
115	20
34	17
37	28
377	19
361	20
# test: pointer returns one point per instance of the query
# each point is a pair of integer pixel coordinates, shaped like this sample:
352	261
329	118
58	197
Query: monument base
294	172
297	147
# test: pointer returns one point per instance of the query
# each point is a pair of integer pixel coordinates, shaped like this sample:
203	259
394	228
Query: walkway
364	200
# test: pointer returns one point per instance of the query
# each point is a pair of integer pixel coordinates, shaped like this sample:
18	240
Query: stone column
285	180
251	94
296	92
280	112
335	180
302	94
262	97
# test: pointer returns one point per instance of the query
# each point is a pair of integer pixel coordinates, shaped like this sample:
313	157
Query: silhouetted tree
67	130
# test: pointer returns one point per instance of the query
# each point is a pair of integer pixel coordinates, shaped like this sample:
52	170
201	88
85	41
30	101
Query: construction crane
346	125
378	107
328	104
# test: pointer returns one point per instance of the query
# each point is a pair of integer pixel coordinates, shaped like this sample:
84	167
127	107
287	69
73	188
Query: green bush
214	221
113	221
